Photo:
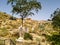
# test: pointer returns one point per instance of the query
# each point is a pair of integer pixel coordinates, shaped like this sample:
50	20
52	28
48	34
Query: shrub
55	39
28	36
12	18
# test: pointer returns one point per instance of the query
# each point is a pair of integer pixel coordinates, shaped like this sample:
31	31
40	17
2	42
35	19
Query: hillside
9	27
7	23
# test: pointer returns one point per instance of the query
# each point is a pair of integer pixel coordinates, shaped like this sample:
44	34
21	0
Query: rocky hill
9	27
33	26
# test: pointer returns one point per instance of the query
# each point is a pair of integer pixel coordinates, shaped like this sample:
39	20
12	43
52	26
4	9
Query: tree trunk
22	27
22	21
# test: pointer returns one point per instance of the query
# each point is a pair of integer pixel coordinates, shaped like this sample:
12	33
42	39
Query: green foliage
56	18
28	36
12	18
55	39
24	7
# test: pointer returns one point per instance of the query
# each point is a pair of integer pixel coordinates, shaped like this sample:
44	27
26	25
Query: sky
48	7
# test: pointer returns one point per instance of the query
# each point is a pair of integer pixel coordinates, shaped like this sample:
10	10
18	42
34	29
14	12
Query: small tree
24	7
56	18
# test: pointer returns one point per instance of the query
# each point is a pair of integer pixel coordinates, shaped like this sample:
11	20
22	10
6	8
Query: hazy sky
48	7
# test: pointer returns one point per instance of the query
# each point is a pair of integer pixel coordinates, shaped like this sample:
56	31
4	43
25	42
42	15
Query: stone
20	39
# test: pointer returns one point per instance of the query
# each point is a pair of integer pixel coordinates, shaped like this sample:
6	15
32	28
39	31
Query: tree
24	7
56	18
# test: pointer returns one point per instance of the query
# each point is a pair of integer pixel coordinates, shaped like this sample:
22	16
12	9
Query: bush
12	18
28	36
55	39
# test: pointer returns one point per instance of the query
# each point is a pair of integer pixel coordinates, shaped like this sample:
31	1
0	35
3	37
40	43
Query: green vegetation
6	24
46	30
13	18
54	39
28	36
56	18
24	7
